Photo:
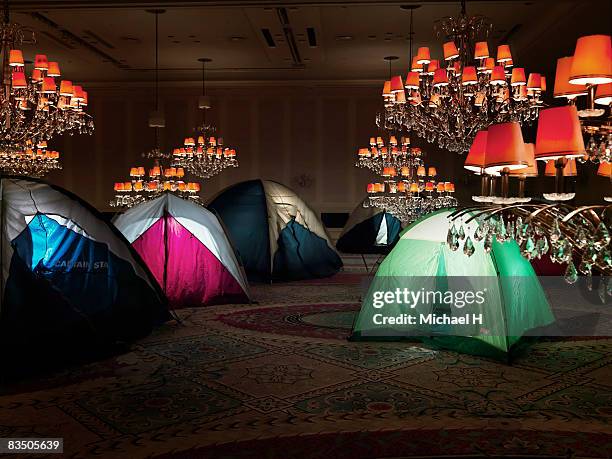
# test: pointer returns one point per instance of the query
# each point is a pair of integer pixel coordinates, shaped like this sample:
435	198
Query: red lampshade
440	78
18	80
397	84
469	76
605	170
563	88
450	50
434	65
568	171
592	63
518	77
78	93
535	82
412	80
423	56
498	77
15	58
559	134
415	66
503	53
48	85
532	169
41	62
603	94
505	148
54	70
481	50
543	83
475	160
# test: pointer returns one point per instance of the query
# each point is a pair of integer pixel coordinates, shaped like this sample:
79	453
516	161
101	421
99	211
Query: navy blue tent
277	236
69	278
369	230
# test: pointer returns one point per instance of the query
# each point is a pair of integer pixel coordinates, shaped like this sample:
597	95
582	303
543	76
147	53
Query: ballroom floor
278	379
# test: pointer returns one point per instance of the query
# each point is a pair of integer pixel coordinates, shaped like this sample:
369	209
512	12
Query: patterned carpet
279	380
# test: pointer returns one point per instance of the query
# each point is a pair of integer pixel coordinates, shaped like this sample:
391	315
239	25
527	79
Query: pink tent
187	250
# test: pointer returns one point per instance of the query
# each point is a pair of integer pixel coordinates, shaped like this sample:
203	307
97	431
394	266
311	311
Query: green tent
511	300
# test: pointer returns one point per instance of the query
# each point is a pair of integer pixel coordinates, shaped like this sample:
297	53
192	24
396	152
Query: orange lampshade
41	62
405	171
412	80
509	63
414	187
605	169
48	85
475	160
532	169
469	76
503	53
518	77
15	58
397	84
77	93
559	133
415	66
431	172
481	50
54	69
370	188
389	172
498	77
568	171
66	88
505	148
450	50
400	97
387	89
401	187
449	187
563	88
36	75
434	65
423	56
543	83
421	171
118	186
535	82
440	78
592	63
440	187
489	65
603	94
18	80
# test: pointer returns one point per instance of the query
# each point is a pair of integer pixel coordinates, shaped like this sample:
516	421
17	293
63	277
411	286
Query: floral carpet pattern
278	379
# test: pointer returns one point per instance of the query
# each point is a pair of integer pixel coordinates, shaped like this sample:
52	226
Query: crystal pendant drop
571	275
581	238
585	266
602	237
542	246
461	233
451	233
488	243
468	247
454	245
479	233
555	233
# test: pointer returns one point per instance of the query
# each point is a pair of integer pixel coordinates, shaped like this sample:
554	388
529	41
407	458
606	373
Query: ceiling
113	41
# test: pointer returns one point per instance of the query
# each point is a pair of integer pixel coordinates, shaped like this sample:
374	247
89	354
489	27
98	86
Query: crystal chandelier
408	189
34	108
143	186
204	153
448	101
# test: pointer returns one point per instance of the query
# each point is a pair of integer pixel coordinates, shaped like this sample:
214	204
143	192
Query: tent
369	230
513	299
277	236
69	278
187	250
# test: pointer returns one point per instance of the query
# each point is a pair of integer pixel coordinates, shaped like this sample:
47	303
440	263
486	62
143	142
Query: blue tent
369	230
277	236
70	280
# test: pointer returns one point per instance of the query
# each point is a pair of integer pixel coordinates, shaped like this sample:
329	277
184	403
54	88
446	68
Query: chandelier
408	189
34	108
148	184
204	153
448	101
145	185
577	236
